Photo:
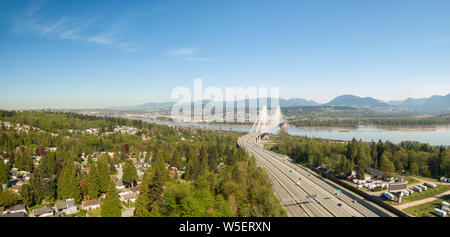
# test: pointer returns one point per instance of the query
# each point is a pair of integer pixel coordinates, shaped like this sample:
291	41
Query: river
439	135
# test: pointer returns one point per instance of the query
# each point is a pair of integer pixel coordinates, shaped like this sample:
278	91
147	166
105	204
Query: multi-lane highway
304	193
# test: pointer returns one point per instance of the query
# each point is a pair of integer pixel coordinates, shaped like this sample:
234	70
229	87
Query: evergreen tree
111	206
26	192
3	173
43	185
386	165
154	210
143	200
84	185
68	185
151	191
176	159
8	198
103	174
129	173
445	163
213	158
93	182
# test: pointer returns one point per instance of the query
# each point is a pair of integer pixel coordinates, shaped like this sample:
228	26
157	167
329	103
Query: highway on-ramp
304	193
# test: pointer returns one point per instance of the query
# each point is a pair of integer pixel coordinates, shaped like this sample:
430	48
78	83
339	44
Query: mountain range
435	104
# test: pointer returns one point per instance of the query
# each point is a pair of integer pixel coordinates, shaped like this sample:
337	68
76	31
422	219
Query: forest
219	178
355	122
408	157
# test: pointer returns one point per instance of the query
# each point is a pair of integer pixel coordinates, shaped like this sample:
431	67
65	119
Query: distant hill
352	100
297	102
433	104
362	103
282	102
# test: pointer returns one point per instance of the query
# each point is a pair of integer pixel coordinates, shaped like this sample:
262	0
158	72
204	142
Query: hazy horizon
172	100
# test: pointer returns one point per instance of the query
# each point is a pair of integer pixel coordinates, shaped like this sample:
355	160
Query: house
52	148
43	212
16	188
119	184
141	165
91	204
173	174
28	176
124	191
377	173
18	208
130	197
140	171
16	214
67	207
134	190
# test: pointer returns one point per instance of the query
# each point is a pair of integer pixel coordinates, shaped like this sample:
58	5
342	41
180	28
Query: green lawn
426	178
410	180
78	214
430	192
426	209
94	213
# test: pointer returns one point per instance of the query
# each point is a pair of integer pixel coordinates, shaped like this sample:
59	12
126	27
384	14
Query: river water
439	135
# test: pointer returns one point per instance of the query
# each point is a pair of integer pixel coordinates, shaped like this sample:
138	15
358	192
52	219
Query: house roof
42	210
16	187
375	172
64	204
17	214
91	202
129	196
17	207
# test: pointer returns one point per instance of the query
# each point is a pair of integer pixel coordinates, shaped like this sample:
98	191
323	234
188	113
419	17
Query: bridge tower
266	121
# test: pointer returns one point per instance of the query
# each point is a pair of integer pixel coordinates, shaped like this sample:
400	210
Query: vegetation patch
426	209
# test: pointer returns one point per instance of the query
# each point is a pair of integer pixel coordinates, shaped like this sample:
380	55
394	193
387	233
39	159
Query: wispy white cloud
190	55
82	28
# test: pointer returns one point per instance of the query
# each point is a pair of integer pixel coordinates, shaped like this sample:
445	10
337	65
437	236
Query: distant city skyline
97	54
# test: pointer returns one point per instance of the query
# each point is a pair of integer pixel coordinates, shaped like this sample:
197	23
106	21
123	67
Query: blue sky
88	54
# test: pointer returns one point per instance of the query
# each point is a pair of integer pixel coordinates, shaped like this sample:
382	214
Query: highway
304	193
